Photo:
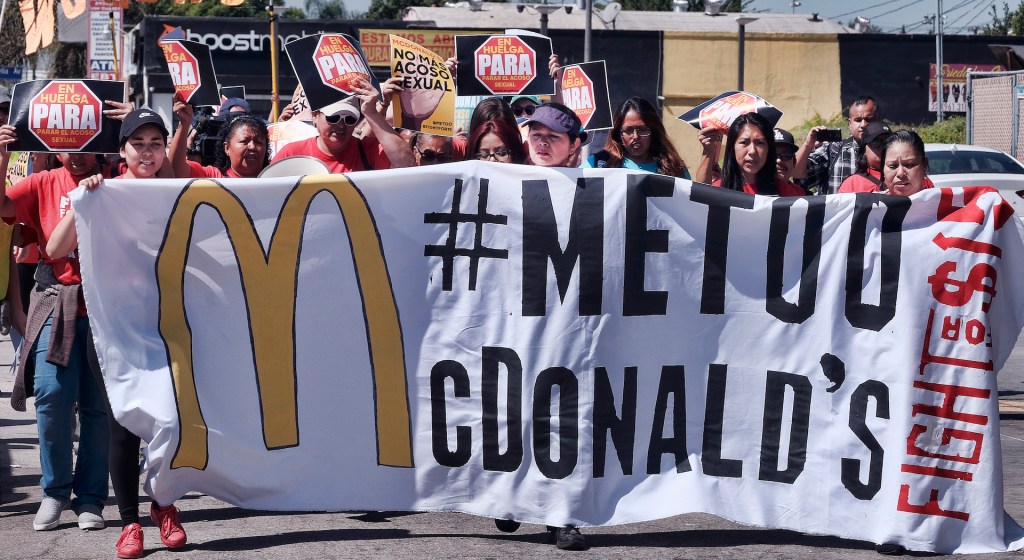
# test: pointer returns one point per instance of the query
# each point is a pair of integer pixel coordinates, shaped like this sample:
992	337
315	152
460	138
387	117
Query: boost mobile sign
65	116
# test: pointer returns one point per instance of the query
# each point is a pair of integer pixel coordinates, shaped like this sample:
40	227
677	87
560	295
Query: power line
859	10
984	9
894	10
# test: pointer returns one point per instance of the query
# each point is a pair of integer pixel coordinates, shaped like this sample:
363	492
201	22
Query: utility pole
938	59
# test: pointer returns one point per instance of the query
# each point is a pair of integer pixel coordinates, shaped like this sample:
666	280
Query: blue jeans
57	389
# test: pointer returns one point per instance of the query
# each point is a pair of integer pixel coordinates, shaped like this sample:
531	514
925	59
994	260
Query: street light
544	9
742	21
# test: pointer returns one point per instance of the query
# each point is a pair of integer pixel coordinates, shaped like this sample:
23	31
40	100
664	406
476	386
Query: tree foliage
207	8
1010	23
393	9
327	9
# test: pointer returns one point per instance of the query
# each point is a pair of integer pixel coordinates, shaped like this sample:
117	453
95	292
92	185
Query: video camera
204	143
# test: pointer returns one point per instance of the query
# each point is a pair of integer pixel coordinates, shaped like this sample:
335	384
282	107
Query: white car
960	165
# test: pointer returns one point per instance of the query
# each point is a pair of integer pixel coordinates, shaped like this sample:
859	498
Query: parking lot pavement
218	530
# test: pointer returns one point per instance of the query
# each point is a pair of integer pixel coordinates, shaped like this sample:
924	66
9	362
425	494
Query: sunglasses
500	153
431	155
785	156
335	119
520	110
641	131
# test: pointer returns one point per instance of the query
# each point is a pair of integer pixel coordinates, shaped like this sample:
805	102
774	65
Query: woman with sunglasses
638	141
431	149
496	140
340	150
523	107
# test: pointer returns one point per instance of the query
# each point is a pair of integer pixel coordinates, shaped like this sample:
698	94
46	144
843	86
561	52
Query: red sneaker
171	532
130	543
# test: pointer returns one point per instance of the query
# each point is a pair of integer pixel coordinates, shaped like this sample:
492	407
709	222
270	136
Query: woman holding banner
904	164
143	141
750	162
638	140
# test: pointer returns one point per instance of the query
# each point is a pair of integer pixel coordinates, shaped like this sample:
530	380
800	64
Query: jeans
57	389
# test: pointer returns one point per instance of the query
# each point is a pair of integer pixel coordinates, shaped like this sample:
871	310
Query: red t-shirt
785	188
40	202
858	183
200	171
350	159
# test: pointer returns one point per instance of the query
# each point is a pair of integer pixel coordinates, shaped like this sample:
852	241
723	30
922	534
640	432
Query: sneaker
130	543
171	532
90	516
48	515
506	525
890	549
569	538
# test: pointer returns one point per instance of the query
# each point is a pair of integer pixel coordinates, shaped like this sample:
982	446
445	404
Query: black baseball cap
873	131
138	118
785	137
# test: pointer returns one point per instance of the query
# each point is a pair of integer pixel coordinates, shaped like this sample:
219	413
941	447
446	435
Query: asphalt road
218	530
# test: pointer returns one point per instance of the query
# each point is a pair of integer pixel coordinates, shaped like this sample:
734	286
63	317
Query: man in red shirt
340	150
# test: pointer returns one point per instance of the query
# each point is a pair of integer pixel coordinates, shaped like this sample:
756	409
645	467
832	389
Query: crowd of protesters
57	363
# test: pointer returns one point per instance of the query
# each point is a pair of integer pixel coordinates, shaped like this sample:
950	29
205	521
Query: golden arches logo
268	281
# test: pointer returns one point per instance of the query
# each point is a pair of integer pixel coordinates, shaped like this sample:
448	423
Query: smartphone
830	135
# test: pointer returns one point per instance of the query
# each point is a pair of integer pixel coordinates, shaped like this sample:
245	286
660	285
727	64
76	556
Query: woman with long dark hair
638	140
749	164
496	140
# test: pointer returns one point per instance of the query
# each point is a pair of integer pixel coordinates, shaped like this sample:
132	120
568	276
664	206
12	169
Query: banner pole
273	62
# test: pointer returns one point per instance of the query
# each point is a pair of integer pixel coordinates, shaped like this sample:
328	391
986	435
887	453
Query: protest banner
585	91
65	116
427	100
723	109
503	65
590	347
280	134
191	69
328	66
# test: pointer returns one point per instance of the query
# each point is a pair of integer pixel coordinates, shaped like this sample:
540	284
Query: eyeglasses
497	155
336	118
641	131
519	110
431	155
782	156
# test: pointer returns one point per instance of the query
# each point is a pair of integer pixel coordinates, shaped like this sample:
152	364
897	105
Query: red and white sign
65	116
339	63
505	64
184	68
578	93
721	113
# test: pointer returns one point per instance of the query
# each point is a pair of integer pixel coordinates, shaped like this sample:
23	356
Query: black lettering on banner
771	432
640	241
720	203
673	382
865	315
777	234
448	369
858	415
622	428
711	459
494	459
586	245
568	422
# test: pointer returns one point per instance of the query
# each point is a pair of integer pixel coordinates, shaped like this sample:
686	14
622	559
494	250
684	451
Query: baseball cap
874	131
783	136
345	107
533	98
559	118
225	108
139	118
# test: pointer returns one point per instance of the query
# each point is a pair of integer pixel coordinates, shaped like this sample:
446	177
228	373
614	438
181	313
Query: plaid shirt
829	166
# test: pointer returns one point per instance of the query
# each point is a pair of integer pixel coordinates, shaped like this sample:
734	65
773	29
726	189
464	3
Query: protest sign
427	100
228	92
503	65
65	116
585	91
328	67
191	69
280	134
722	110
556	346
302	111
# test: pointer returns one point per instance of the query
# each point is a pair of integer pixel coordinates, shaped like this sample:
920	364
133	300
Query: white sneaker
90	517
48	515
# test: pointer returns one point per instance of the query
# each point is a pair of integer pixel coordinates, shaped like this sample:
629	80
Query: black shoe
890	549
506	525
569	538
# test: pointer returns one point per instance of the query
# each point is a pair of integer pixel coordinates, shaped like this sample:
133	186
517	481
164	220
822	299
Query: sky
889	15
